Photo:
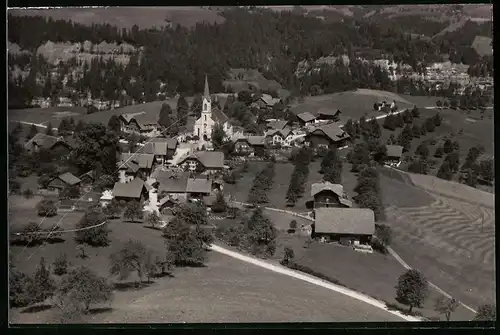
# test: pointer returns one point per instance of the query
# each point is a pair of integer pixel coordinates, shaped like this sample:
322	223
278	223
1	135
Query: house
306	119
198	187
277	124
266	101
140	123
87	179
106	198
133	190
163	149
56	145
249	145
278	137
203	161
394	154
174	189
328	195
327	135
356	225
328	114
204	126
65	180
131	165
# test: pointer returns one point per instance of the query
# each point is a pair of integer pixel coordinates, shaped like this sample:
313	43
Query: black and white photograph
251	164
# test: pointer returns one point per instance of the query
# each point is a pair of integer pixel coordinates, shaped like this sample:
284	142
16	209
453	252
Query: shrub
28	193
46	208
60	265
289	257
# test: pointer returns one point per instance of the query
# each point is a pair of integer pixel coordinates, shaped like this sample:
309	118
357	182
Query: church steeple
206	94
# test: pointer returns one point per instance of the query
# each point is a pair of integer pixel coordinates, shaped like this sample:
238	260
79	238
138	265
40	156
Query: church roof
218	116
206	94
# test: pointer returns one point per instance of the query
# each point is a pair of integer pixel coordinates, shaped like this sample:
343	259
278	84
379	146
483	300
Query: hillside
126	17
244	79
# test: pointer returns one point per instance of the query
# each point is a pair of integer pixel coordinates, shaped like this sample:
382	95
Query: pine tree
182	110
165	118
32	132
43	284
49	131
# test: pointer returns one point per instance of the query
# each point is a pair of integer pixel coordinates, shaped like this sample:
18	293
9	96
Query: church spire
206	95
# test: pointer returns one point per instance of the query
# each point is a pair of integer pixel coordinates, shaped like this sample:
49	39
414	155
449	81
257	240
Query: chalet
87	178
208	162
65	180
131	165
278	137
277	124
266	101
328	114
249	145
133	190
394	154
306	119
198	187
356	225
327	135
328	195
140	123
56	145
163	149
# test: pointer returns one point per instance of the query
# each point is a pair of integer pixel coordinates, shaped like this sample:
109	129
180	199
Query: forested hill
272	42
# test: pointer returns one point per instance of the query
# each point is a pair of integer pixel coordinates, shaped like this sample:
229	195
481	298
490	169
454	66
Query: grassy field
482	45
226	290
351	269
450	239
126	17
352	104
240	79
45	115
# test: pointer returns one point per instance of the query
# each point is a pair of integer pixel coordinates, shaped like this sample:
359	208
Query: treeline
262	183
299	176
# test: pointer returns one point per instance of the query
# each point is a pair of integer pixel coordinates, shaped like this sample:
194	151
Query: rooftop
359	221
132	189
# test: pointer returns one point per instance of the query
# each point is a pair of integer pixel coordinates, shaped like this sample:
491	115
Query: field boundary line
63	231
406	266
312	280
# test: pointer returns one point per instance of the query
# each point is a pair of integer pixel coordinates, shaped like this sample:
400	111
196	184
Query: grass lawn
450	240
45	115
226	290
352	104
352	269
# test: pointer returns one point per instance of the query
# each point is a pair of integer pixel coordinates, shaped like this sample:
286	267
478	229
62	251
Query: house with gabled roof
306	119
131	164
326	194
277	124
207	162
163	149
65	180
140	123
249	145
328	114
275	137
356	225
394	154
55	144
327	135
134	190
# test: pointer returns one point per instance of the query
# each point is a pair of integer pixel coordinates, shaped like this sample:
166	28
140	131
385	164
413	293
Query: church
204	126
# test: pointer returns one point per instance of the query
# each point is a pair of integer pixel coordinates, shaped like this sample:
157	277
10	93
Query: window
205	118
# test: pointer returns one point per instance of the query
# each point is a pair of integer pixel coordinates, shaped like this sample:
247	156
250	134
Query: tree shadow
132	286
164	275
36	309
55	240
190	265
99	310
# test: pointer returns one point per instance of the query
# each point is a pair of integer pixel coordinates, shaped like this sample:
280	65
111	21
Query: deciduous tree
133	211
60	265
486	312
96	236
412	289
43	285
132	257
445	306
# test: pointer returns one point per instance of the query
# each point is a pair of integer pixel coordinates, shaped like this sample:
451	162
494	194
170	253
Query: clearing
242	79
451	240
482	45
54	115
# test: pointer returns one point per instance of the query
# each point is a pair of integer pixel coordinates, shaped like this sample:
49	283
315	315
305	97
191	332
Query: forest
272	42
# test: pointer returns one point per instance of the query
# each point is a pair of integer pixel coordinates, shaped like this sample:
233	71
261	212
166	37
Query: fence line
62	231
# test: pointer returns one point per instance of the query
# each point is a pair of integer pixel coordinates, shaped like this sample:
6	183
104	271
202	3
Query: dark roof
306	117
144	161
359	221
44	141
328	111
143	119
394	150
69	178
335	188
154	148
209	159
199	185
278	124
172	185
218	116
256	140
132	189
332	131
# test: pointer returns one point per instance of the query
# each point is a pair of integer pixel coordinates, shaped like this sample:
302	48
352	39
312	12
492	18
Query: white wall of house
124	178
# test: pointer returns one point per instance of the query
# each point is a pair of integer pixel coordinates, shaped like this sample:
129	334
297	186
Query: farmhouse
328	195
327	114
277	124
131	165
133	190
266	101
356	225
306	119
249	145
394	154
330	134
179	188
65	180
278	137
140	123
56	145
163	149
208	162
203	127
